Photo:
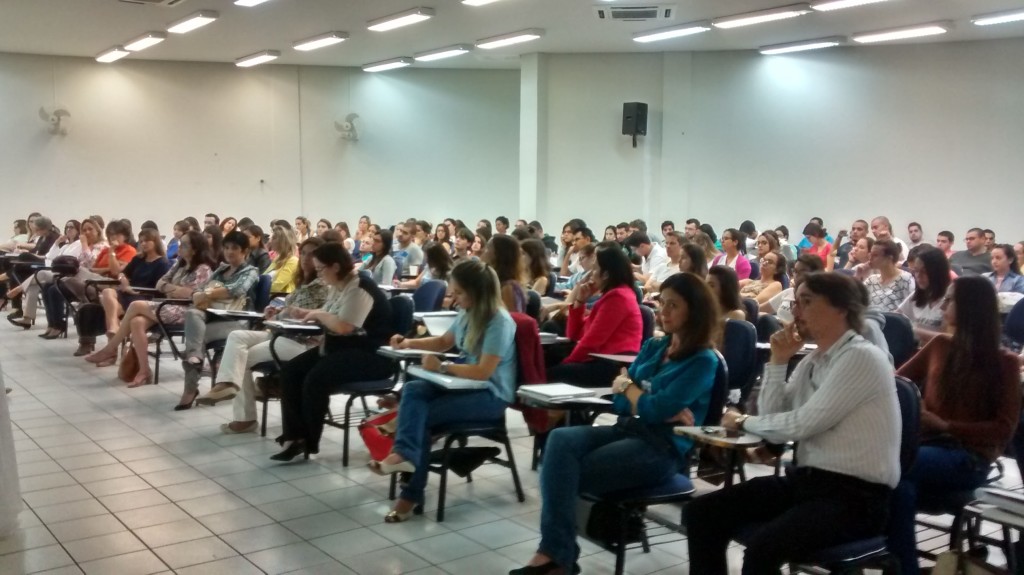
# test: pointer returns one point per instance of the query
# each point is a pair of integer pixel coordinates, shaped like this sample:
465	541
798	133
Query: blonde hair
480	282
284	243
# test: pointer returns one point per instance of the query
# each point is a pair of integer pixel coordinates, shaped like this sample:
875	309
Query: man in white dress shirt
840	405
654	257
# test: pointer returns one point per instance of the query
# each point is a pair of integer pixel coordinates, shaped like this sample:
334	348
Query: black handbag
65	265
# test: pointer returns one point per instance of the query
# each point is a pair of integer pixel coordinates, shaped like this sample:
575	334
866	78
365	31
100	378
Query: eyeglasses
767	262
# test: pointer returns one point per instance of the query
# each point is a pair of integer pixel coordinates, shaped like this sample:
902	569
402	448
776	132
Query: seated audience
93	245
970	407
346	238
536	264
976	259
442	237
484	334
841	406
609	234
881	227
301	229
24	315
723	283
438	266
581	236
781	304
357	319
732	256
767	242
502	253
839	255
693	260
228	225
613	326
859	259
1005	274
674	251
463	242
924	307
215	238
1018	250
480	239
890	286
190	270
180	228
285	267
144	271
749	236
652	256
787	249
381	265
707	244
246	348
228	288
818	245
670	383
944	241
258	257
322	225
773	271
406	252
586	264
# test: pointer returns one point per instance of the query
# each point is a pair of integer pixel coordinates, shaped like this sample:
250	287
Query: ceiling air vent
167	3
635	13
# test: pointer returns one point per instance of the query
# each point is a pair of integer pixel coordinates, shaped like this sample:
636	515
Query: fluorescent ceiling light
510	39
249	2
770	15
672	32
328	39
193	21
829	5
478	2
115	53
998	18
401	19
802	45
903	33
388	64
442	53
257	58
145	41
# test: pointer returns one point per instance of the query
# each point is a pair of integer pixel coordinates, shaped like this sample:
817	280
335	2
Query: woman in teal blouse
669	383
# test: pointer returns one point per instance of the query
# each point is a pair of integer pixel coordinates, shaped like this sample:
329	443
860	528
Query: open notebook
446	381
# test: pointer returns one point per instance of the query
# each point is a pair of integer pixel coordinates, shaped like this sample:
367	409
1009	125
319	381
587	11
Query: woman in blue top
669	383
484	334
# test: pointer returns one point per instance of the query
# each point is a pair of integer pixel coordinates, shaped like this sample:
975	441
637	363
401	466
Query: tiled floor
115	482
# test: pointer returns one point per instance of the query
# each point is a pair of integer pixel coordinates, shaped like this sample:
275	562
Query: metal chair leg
348	420
445	462
515	471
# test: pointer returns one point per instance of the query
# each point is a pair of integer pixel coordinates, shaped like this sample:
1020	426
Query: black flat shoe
14	315
549	567
293	450
22	322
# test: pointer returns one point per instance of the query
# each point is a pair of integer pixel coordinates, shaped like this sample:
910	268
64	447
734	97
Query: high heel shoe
545	569
52	334
184	406
294	449
22	322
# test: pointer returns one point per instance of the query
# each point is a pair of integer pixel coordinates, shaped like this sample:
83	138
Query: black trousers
596	373
796	515
309	380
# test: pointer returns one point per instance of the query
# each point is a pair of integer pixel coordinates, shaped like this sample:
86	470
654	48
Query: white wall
927	132
160	140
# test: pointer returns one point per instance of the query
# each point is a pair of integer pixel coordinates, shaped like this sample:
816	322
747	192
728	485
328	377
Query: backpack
90	320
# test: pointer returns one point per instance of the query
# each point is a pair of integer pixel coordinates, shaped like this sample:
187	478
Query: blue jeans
425	405
592	460
937	470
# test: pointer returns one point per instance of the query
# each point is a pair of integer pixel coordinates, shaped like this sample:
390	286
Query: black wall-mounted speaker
634	119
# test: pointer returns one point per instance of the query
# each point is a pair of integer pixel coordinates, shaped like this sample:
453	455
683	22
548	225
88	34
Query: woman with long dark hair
733	249
502	253
1005	274
381	265
970	406
438	265
670	382
538	268
924	307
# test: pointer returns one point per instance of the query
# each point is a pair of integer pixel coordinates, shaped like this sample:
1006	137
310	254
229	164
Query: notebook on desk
235	313
555	391
446	381
289	324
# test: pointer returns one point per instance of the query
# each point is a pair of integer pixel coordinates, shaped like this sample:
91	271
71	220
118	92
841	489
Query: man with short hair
882	230
653	256
484	224
570	261
858	230
667	227
975	260
211	220
692	227
944	241
990	239
501	225
521	224
840	405
638	225
622	232
406	253
915	234
548	241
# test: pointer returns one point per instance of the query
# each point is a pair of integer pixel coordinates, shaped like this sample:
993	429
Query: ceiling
87	27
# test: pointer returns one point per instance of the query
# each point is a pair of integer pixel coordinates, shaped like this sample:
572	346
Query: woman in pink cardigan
733	249
612	326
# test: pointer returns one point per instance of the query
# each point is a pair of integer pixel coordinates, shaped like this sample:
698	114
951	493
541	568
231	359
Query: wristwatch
625	385
741	420
444	366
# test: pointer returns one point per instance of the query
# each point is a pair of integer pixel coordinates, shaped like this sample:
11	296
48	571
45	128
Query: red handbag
378	435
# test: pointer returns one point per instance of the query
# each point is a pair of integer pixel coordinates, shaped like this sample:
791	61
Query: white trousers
243	350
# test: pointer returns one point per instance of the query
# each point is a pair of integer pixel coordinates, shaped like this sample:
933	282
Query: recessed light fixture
998	18
193	21
145	41
829	5
111	55
478	2
442	53
510	39
406	18
672	32
248	3
903	33
321	41
802	45
770	15
257	58
388	64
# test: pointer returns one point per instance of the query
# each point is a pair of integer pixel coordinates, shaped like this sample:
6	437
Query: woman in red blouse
612	326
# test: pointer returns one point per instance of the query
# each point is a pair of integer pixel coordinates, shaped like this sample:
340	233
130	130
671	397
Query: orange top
124	254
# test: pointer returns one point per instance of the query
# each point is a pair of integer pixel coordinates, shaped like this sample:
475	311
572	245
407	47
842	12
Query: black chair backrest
259	296
766	325
751	308
910	411
647	315
430	295
740	351
1013	328
552	280
401	314
719	393
532	304
899	334
755	269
